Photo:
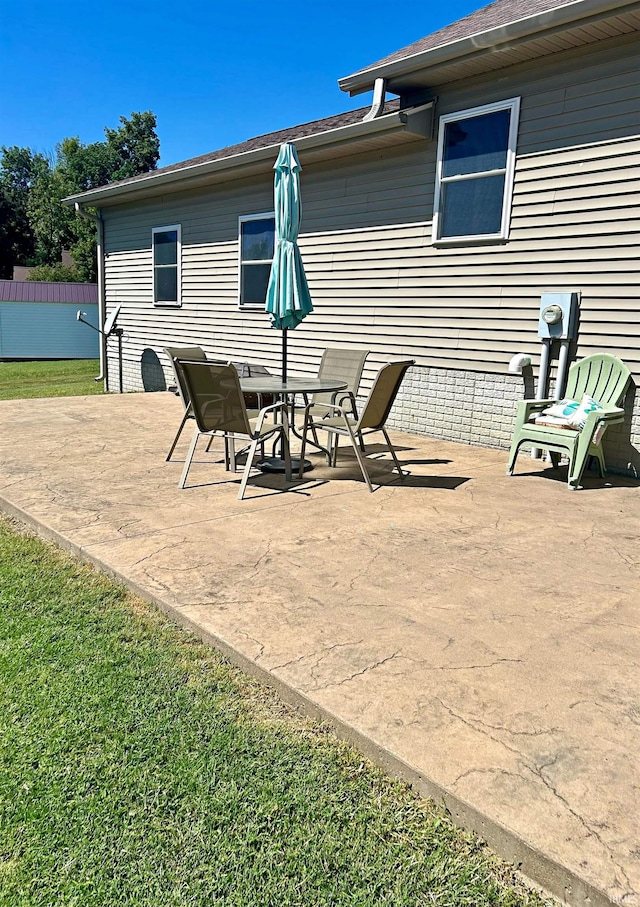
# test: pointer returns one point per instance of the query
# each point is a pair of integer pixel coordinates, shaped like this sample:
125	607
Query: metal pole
543	377
119	332
284	354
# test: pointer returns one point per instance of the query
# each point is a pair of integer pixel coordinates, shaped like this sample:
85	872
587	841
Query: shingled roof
324	139
269	139
502	12
505	33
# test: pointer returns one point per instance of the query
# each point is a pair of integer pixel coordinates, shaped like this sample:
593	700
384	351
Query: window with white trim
167	254
474	178
256	241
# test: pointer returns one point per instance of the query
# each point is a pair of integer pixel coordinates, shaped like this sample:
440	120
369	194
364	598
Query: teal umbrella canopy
288	298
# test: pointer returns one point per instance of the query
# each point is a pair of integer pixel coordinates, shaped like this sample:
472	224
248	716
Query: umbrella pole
284	354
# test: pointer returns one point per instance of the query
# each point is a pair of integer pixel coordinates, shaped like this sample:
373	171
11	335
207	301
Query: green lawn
70	378
138	768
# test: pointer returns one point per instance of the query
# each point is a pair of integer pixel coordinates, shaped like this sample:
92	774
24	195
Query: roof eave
553	19
238	165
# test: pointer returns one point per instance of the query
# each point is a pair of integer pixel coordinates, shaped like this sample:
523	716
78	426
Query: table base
276	464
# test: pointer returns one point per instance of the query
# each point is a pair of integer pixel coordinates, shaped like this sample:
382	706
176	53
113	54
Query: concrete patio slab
475	633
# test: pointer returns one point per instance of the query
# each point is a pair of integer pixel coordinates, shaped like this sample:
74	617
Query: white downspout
377	106
102	305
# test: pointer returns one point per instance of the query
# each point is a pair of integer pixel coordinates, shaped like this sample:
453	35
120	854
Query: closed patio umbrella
288	298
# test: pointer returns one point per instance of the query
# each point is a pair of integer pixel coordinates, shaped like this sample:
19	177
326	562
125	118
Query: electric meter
558	315
552	314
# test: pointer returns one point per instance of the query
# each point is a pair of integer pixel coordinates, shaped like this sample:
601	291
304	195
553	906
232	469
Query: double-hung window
474	180
256	242
167	254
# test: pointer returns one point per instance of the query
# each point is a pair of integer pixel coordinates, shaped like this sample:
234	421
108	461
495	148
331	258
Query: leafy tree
50	220
85	166
59	273
135	145
7	256
19	169
34	224
83	248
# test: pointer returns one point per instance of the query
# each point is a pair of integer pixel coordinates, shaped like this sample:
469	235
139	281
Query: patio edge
538	870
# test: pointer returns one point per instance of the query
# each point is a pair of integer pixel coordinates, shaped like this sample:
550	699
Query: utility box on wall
559	315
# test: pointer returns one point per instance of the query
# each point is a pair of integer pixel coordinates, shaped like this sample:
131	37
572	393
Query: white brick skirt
479	408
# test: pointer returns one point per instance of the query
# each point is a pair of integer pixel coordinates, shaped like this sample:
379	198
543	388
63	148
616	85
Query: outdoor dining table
287	390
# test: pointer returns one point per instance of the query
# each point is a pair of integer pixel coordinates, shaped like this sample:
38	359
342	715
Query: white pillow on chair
587	405
567	413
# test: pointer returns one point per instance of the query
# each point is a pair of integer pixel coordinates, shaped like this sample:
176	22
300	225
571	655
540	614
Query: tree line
34	224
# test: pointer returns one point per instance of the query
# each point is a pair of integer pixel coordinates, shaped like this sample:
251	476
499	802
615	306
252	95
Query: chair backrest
341	365
383	393
216	398
601	376
193	353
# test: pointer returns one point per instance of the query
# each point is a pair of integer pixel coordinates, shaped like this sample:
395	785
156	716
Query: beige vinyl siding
375	278
582	96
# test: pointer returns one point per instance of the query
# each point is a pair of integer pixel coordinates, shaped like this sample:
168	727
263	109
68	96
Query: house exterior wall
376	280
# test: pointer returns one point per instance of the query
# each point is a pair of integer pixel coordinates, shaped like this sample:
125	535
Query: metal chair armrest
339	410
272	406
262	415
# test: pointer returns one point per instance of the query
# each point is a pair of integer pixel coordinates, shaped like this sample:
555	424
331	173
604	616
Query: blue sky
213	73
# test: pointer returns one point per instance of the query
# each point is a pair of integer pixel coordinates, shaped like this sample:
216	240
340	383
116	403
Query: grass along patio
137	767
58	378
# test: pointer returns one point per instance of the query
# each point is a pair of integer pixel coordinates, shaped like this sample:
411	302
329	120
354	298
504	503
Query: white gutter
511	33
102	312
401	121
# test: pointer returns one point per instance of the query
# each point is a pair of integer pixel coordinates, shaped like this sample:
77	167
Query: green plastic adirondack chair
603	377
